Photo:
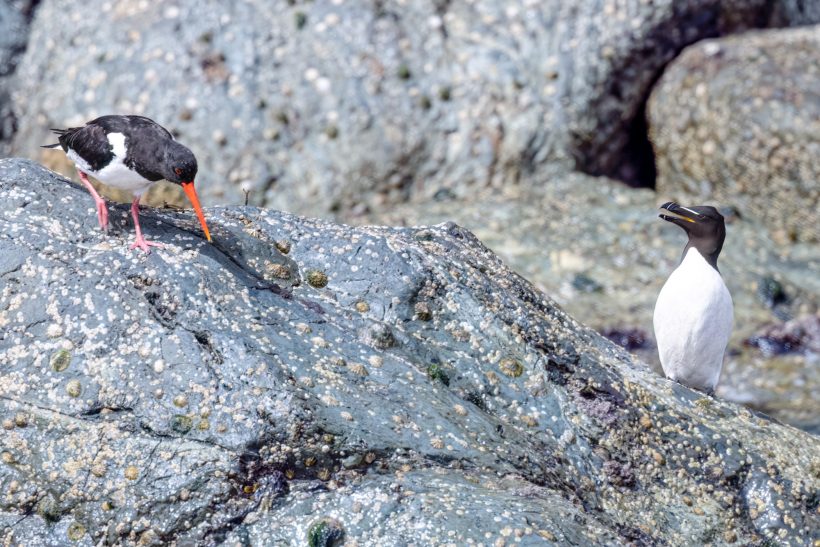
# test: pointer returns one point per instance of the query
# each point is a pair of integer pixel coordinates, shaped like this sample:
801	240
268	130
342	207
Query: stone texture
795	12
14	19
321	107
737	120
12	36
184	397
599	249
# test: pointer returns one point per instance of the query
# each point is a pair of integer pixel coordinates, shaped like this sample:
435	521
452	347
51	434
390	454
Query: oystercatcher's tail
61	133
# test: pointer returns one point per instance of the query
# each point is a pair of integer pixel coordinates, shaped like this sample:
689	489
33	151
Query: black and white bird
694	313
130	153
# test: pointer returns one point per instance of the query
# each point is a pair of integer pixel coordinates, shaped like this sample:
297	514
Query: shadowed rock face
322	107
738	120
395	385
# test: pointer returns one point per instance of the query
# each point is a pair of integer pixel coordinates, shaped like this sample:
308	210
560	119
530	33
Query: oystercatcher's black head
703	224
179	164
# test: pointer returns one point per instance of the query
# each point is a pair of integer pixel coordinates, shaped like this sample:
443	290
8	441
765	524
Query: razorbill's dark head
704	226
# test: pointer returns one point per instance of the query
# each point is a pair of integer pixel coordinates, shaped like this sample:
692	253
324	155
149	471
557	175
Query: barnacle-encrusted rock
436	372
60	360
283	246
423	312
75	531
317	279
736	121
364	104
511	367
325	532
561	452
629	252
13	37
74	388
181	424
279	271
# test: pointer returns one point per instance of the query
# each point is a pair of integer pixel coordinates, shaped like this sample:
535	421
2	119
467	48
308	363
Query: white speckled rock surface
738	120
322	107
600	251
391	386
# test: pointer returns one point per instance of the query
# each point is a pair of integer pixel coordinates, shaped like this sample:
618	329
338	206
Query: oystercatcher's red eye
178	171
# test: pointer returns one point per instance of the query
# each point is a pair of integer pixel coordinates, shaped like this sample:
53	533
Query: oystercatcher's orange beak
191	193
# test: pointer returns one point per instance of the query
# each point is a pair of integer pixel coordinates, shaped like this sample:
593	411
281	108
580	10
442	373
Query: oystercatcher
131	153
693	314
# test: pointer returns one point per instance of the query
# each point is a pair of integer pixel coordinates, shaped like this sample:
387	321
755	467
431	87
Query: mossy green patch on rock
436	372
49	509
584	283
300	19
60	360
181	423
76	531
326	532
770	291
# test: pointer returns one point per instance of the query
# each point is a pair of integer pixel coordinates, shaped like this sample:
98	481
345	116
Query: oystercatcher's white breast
116	174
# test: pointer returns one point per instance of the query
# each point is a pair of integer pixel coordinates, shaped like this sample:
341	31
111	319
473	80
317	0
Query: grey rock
800	333
795	12
13	38
14	16
738	120
572	233
322	107
218	406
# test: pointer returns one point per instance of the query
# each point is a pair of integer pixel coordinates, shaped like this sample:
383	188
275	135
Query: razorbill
694	313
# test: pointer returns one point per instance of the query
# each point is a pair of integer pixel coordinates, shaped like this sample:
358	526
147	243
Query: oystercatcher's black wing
89	142
132	126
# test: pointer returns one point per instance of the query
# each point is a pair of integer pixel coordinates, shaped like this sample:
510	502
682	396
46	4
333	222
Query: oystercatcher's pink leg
141	242
102	208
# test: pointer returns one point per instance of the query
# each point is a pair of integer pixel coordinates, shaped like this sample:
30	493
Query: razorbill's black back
694	313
